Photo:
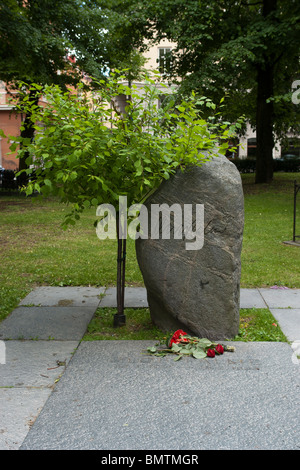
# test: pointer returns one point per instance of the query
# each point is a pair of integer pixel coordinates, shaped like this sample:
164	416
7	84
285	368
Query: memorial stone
197	290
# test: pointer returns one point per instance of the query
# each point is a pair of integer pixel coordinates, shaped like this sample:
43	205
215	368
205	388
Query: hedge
8	179
248	165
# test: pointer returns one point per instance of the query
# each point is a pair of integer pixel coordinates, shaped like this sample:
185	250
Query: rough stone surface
113	396
198	290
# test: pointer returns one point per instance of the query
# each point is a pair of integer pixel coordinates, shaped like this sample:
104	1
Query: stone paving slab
295	345
281	298
262	379
26	382
289	321
19	407
56	323
51	296
251	298
135	297
114	397
34	363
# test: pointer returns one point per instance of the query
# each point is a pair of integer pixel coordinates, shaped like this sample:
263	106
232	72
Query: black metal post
296	189
119	317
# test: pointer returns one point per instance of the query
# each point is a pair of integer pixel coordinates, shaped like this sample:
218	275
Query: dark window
164	59
251	147
292	147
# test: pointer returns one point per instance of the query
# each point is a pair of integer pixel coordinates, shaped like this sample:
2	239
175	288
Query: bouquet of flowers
181	344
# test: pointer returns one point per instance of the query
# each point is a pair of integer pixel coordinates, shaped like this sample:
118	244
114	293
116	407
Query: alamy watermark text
176	221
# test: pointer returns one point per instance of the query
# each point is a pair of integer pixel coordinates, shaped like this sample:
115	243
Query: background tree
247	49
56	42
87	152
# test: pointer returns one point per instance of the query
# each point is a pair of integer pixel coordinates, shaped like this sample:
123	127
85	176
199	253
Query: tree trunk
265	110
27	133
119	317
264	126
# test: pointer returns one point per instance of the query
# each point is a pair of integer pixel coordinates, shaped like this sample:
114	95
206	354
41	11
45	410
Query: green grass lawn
268	223
35	250
255	325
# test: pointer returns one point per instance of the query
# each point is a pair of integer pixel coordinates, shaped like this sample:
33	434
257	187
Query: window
291	147
251	152
2	93
164	59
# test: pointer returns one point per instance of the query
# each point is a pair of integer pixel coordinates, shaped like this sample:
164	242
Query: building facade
10	123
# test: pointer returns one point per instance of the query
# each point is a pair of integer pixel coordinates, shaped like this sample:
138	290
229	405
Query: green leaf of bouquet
204	343
186	352
152	350
199	354
176	347
178	357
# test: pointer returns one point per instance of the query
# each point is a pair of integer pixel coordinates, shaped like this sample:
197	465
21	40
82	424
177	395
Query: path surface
57	392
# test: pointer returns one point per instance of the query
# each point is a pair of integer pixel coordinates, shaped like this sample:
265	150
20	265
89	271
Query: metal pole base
119	320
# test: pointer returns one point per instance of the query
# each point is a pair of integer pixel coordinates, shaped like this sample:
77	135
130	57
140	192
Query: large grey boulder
197	290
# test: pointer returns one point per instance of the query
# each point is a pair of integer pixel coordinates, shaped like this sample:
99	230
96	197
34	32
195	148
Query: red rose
184	340
211	353
219	349
179	333
176	338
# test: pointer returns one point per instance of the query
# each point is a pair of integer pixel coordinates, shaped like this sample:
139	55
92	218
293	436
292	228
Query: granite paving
59	392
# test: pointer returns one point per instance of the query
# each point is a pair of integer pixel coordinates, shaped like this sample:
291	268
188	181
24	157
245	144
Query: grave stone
197	290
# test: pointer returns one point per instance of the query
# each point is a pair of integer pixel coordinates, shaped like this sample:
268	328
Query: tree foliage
87	151
247	49
37	36
59	42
